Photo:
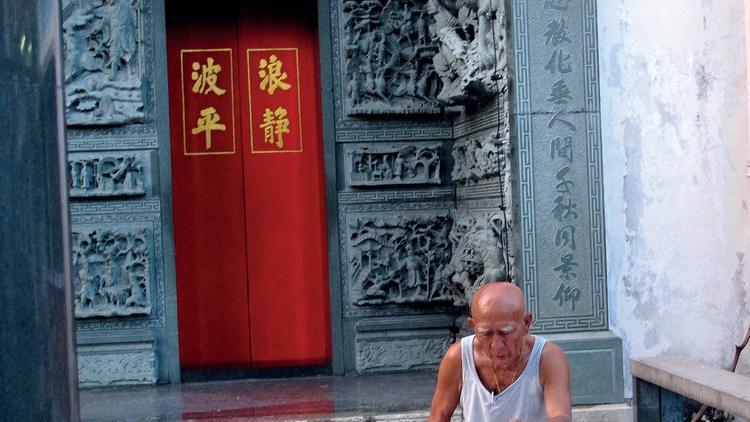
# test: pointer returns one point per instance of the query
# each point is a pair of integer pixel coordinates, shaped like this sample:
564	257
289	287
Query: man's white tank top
524	399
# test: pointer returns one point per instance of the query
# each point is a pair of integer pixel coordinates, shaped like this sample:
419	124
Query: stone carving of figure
486	11
448	61
477	256
111	273
398	166
424	88
465	63
102	76
394	257
123	171
387	46
75	174
353	89
87	175
121	36
413	268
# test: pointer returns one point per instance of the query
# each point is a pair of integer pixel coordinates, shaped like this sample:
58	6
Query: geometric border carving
395	196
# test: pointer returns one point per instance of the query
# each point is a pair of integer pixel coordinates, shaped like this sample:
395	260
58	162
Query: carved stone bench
662	383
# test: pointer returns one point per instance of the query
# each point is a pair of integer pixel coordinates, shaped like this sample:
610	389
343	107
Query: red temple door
248	184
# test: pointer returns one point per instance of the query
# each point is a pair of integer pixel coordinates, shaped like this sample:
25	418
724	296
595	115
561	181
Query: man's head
500	322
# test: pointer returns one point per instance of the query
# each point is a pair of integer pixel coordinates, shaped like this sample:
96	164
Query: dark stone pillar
37	362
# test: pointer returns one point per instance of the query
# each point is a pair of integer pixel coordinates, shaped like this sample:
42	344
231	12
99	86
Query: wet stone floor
317	398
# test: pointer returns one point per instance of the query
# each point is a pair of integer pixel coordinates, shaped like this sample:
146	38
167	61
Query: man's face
501	336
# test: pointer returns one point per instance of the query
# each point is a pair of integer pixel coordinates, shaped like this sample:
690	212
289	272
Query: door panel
250	232
287	265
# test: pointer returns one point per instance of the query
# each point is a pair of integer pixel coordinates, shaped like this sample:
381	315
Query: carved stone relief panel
388	51
393	354
116	364
397	258
112	174
471	59
477	243
111	272
103	62
393	165
475	159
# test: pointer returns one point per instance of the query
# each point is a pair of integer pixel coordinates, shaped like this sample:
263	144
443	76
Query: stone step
598	413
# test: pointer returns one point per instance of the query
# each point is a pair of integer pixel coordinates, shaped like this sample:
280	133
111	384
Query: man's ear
471	323
527	321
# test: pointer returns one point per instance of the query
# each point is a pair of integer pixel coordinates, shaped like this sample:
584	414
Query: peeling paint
674	121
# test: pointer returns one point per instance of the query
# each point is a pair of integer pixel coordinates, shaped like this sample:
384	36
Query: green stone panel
555	131
595	366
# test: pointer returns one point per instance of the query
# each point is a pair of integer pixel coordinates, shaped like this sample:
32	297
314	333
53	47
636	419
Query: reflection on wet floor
259	399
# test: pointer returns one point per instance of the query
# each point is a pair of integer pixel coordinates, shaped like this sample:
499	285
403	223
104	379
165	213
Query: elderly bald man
502	373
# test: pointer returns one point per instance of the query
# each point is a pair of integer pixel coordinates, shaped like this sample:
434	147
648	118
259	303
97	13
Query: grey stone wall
393	193
118	179
409	253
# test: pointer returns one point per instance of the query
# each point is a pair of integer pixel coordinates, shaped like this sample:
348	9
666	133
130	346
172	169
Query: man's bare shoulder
553	361
554	372
452	356
552	350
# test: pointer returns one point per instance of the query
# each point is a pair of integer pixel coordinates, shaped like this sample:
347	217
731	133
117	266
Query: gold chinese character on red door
207	101
274	100
208	121
275	125
206	79
271	75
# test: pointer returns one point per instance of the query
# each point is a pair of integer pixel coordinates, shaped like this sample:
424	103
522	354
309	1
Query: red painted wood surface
250	231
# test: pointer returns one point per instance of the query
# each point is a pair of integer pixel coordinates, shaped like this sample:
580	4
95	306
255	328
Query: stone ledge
716	387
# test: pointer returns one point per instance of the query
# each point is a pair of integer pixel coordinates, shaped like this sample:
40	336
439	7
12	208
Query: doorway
248	184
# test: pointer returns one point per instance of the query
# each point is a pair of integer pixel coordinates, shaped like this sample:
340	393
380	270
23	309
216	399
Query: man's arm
555	378
448	390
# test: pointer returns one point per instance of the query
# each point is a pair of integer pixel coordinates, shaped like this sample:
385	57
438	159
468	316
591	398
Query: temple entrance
248	184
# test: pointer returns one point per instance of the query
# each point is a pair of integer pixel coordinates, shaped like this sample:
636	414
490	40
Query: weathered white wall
675	145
